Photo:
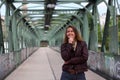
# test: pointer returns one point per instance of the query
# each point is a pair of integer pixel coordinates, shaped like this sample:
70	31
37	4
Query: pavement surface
44	64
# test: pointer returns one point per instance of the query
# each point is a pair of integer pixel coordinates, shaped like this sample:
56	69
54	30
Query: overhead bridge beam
73	1
44	10
29	1
41	11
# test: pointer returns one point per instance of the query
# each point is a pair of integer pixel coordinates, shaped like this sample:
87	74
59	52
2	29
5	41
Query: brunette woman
74	52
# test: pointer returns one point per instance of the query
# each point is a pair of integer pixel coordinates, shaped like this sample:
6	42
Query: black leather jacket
77	59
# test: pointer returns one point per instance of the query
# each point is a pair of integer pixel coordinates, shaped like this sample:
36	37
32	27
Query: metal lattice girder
39	11
1	37
48	12
36	1
49	17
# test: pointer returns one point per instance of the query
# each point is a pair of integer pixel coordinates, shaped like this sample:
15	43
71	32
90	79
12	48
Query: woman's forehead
69	28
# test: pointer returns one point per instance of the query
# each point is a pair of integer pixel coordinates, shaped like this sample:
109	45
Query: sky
102	9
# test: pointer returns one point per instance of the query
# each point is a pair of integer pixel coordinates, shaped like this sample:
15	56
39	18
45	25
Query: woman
74	52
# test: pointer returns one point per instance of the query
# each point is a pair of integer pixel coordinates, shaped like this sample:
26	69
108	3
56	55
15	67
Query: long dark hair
78	36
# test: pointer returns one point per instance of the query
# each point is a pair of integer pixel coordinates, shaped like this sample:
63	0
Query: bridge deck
44	64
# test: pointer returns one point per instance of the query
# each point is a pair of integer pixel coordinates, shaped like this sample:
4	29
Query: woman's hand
71	40
66	62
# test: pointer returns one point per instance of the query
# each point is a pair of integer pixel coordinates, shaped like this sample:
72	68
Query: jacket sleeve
65	51
82	58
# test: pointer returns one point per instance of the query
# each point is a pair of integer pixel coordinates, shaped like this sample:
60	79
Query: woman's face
70	33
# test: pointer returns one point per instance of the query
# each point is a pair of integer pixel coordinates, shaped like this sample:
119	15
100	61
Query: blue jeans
68	76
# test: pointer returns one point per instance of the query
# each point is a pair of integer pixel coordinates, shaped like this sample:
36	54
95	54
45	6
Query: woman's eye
68	31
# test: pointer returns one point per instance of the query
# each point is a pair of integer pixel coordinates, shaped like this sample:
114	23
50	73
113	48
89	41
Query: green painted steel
2	50
85	28
22	28
25	31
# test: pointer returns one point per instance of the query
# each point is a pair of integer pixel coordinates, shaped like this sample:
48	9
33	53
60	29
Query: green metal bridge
27	25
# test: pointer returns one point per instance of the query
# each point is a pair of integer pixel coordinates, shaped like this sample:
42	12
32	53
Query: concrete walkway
44	64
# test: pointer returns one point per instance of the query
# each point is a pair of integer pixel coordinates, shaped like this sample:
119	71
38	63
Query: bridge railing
11	60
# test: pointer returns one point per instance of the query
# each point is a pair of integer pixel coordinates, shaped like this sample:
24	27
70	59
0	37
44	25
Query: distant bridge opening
44	43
